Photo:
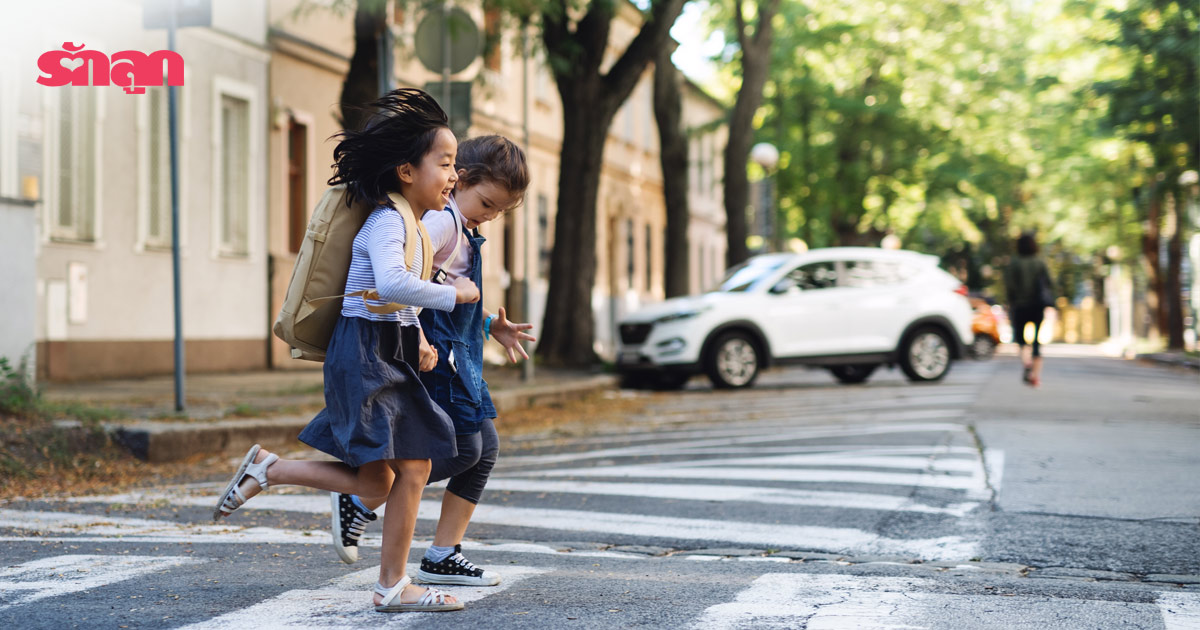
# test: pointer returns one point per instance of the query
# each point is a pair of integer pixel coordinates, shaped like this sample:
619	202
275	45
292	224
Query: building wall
18	283
706	146
103	301
105	305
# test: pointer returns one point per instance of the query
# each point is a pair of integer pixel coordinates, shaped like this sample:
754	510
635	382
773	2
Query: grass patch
36	452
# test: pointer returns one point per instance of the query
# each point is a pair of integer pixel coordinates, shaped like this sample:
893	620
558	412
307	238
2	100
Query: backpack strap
457	245
410	253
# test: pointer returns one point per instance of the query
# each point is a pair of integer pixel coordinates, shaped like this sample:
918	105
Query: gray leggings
468	473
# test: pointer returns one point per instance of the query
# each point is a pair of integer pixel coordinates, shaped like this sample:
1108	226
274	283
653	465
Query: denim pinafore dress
456	384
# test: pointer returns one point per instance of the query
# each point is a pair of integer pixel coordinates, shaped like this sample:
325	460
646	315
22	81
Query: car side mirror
785	285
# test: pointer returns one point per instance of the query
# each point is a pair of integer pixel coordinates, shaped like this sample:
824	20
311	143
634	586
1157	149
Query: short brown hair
493	159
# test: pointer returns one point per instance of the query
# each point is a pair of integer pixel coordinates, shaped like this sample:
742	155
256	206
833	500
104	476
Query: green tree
577	43
673	156
1158	105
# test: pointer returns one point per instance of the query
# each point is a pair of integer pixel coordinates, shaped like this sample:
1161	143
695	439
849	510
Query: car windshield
744	276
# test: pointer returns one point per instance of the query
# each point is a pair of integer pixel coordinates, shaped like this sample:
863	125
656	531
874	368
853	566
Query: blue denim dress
459	388
375	406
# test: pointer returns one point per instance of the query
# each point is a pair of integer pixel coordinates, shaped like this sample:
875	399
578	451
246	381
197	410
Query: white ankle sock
437	554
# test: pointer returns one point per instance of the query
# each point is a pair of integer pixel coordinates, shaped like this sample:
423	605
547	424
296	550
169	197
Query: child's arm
395	283
509	334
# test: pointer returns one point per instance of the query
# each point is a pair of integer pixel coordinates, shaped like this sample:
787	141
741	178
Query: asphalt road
800	503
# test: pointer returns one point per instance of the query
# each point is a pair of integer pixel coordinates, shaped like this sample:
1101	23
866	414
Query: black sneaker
455	569
349	521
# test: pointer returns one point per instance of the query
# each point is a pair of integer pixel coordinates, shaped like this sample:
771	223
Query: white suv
849	309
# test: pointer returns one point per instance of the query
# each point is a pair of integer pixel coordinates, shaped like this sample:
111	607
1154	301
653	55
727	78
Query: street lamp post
767	156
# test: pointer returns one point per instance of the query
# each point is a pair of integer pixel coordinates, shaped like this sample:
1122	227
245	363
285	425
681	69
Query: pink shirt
442	230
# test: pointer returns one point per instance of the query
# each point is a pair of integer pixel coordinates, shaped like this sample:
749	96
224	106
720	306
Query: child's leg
468	456
443	562
399	524
465	489
372	478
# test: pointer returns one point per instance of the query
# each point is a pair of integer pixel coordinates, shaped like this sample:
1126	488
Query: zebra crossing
872	476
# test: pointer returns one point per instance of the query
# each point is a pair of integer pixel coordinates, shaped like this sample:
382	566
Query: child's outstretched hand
510	336
428	356
465	291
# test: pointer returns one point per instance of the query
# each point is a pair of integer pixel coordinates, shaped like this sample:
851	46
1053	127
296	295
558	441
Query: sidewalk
230	411
1178	359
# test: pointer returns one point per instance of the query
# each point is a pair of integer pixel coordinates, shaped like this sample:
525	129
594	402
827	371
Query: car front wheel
983	348
926	355
733	361
851	374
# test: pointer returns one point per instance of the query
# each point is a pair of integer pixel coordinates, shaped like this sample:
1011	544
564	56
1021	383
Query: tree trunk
568	328
590	100
1150	245
362	79
1174	282
756	58
673	155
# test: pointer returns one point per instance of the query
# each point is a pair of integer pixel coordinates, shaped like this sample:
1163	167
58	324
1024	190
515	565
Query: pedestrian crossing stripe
63	575
832	539
345	602
842	602
752	433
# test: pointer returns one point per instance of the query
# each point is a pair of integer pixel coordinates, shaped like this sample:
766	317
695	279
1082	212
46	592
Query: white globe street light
767	156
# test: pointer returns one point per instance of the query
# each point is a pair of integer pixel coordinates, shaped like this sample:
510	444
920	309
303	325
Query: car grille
634	334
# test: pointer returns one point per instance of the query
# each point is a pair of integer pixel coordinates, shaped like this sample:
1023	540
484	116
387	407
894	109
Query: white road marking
1180	611
63	575
833	539
752	434
345	602
689	470
749	494
842	602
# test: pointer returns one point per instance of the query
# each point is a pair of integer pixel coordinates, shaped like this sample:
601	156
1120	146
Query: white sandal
232	498
432	600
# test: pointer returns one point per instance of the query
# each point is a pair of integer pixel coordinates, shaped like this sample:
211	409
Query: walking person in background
1029	291
492	178
379	420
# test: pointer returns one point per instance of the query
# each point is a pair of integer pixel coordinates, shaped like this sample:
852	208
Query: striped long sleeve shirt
378	262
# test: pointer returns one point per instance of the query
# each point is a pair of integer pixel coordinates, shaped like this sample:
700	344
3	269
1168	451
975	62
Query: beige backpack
314	295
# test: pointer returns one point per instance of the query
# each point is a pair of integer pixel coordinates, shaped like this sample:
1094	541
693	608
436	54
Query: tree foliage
957	125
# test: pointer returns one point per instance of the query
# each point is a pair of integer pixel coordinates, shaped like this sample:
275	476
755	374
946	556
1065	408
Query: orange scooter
986	329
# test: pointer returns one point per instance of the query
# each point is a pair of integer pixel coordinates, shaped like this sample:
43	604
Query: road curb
1171	358
155	441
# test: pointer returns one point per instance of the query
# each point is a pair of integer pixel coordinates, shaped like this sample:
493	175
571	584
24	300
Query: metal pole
764	212
527	214
446	56
172	122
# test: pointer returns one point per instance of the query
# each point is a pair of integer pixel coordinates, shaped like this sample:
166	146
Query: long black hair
400	130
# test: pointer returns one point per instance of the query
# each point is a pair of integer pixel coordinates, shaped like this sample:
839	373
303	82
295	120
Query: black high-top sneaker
455	569
349	521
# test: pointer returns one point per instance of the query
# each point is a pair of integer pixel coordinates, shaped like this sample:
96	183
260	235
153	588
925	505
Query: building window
543	216
9	112
233	175
627	114
74	211
297	174
629	251
156	170
491	30
649	260
542	78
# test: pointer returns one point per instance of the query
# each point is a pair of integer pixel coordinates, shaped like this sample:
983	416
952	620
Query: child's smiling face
427	185
484	201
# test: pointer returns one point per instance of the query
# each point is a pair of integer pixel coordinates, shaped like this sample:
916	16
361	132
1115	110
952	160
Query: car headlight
680	315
